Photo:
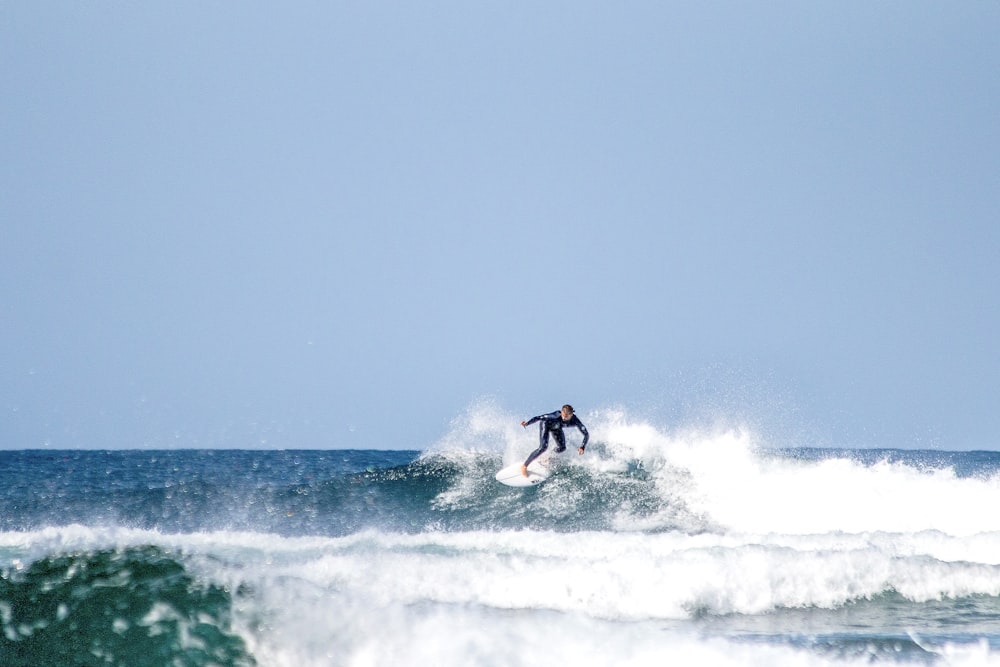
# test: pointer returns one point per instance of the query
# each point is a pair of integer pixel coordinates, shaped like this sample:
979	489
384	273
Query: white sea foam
469	636
595	597
727	480
611	576
520	598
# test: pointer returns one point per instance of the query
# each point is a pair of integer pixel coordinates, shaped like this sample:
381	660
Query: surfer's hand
524	424
580	451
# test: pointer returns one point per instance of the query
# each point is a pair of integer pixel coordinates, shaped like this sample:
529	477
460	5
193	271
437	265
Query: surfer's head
567	411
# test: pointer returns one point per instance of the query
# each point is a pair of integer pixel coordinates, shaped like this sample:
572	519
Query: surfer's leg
544	435
560	440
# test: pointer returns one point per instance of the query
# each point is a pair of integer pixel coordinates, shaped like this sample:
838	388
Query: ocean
656	547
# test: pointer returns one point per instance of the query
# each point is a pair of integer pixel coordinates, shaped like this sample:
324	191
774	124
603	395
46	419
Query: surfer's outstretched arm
550	415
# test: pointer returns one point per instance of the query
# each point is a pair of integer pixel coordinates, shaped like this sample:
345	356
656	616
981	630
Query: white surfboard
538	472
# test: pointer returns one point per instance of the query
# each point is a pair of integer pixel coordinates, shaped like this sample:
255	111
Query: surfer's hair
569	407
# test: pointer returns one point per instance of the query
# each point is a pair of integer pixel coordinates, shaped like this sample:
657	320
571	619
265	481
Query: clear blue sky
330	224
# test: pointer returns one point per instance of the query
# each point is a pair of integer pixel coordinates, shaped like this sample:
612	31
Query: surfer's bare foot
524	470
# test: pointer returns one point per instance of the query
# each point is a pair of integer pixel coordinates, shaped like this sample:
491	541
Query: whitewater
658	546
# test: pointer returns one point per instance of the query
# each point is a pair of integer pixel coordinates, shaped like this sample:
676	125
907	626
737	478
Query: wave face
129	606
652	548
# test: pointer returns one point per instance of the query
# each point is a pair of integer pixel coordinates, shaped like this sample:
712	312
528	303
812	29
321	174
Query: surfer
553	423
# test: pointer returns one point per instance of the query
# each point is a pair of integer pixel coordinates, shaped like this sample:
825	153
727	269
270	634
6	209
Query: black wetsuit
553	423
